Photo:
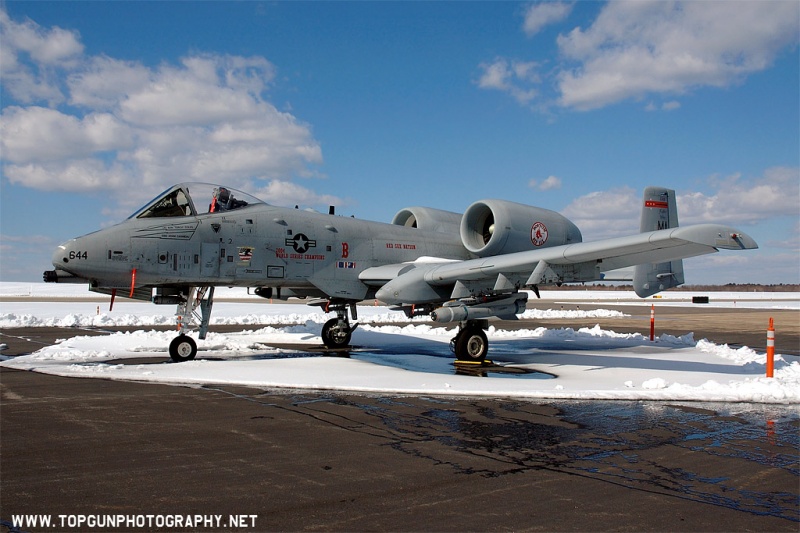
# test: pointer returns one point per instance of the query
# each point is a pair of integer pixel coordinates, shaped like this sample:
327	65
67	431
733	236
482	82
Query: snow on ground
407	358
91	314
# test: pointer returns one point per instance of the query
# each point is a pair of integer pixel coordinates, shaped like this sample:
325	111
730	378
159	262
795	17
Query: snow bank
398	356
258	312
589	363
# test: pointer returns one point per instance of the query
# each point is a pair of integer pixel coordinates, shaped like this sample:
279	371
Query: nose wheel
182	348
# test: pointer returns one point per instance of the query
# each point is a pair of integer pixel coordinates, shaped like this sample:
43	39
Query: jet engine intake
428	219
494	227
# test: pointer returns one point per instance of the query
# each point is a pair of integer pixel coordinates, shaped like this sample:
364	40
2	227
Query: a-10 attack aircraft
456	268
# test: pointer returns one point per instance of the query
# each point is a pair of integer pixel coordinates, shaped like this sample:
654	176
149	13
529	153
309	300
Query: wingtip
744	241
718	236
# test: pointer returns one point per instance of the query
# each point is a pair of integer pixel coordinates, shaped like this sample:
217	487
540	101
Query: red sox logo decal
538	234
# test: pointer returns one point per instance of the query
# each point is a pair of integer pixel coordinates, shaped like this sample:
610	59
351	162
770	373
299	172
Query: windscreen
192	199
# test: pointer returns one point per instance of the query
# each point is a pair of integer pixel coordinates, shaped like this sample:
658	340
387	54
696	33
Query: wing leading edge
428	283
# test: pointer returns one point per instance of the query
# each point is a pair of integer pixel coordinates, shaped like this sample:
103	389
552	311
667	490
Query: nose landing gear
184	348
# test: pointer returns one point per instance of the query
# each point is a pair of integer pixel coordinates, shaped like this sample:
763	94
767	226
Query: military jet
457	268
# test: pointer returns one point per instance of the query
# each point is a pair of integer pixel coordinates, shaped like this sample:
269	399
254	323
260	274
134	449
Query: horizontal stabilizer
620	274
653	278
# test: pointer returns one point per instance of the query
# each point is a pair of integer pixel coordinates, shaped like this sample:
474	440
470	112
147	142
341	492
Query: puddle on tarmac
435	364
740	457
432	363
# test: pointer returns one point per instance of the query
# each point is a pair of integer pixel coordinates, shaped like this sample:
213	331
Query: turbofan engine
493	227
428	219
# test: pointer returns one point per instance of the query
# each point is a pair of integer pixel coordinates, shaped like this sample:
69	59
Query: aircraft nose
60	260
61	255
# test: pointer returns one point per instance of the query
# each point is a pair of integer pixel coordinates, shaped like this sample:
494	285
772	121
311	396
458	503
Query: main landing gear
337	332
470	343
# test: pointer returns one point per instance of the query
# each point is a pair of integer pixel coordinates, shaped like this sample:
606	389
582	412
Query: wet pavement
341	462
336	462
620	443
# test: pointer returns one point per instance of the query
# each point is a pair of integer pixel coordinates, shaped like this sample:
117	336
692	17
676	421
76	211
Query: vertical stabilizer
659	211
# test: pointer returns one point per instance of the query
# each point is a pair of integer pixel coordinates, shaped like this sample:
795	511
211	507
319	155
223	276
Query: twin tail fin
659	212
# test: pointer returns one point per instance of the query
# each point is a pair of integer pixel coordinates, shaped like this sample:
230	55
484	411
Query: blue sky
377	106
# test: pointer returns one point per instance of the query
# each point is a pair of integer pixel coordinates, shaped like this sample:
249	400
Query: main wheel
182	348
336	334
471	345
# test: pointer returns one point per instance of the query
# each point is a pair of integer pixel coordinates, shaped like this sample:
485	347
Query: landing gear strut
470	343
337	332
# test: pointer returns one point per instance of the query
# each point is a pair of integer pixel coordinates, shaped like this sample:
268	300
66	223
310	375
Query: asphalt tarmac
243	459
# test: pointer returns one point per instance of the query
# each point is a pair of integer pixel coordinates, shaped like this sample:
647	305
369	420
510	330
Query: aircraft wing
585	261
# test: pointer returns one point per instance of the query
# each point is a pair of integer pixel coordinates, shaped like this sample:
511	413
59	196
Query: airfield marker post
771	348
652	323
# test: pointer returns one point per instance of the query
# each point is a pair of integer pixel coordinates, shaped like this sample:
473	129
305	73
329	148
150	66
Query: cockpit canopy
192	199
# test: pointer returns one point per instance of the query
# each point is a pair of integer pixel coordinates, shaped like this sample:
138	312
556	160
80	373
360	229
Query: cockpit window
174	204
223	199
191	199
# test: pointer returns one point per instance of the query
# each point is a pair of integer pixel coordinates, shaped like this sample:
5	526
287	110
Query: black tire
334	336
182	348
471	345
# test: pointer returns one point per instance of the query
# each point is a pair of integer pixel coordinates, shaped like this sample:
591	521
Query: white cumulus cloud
85	123
738	200
45	46
605	214
735	201
539	15
32	59
548	184
517	78
287	193
634	48
35	134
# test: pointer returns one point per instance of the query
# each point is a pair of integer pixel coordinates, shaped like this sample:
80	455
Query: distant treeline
730	287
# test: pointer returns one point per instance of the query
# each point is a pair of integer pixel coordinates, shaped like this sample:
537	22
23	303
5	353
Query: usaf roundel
300	243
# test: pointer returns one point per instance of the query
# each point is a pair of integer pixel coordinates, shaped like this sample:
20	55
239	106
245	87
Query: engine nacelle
493	227
428	219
